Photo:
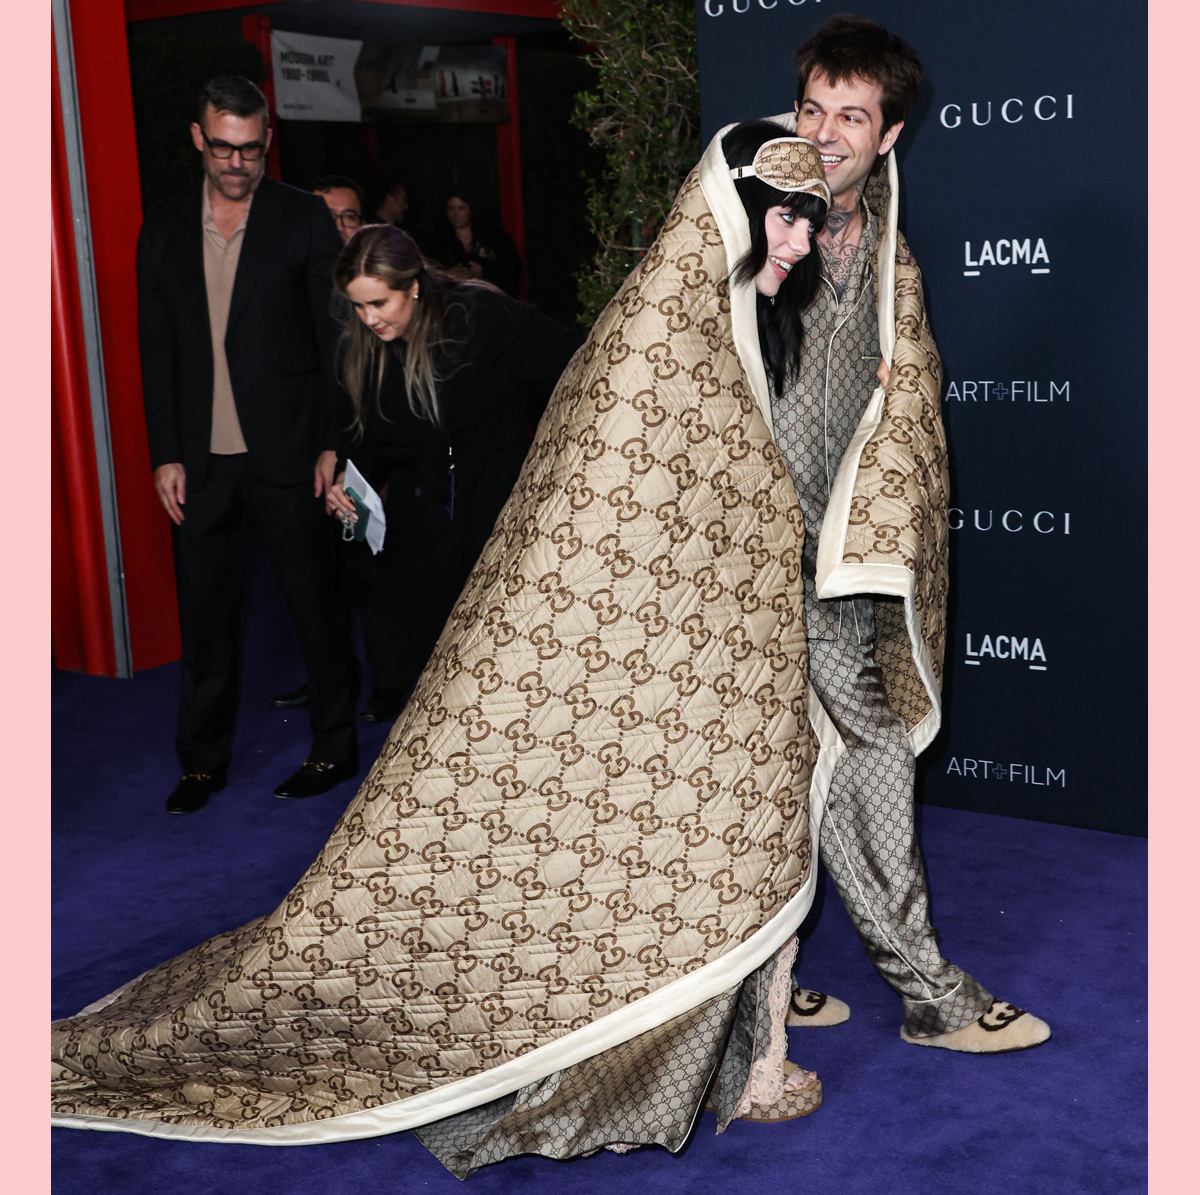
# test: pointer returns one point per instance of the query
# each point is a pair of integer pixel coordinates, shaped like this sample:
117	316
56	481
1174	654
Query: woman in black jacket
437	373
472	248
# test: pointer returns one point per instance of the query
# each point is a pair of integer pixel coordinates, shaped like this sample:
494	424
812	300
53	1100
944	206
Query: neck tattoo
838	241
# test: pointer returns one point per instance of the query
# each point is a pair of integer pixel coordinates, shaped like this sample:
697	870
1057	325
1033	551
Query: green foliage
645	115
167	76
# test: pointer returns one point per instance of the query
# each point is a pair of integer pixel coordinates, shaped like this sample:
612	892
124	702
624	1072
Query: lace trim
765	1085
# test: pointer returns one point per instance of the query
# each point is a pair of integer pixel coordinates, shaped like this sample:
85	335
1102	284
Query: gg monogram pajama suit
868	839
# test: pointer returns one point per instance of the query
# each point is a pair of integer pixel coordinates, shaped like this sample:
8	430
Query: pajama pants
869	845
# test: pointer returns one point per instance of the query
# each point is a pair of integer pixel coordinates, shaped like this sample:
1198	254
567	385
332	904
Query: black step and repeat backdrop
1023	183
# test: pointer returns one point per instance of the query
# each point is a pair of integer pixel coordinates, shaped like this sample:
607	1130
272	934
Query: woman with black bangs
781	262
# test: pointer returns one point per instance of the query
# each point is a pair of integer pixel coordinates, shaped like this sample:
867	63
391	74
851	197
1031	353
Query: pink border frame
25	595
1174	586
1174	660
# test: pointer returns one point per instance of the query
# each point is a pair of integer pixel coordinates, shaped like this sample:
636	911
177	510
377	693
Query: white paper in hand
377	523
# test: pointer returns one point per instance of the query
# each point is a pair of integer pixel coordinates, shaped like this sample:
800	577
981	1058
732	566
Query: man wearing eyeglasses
237	348
344	198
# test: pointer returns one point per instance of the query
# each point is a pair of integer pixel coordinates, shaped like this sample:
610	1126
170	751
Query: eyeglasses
251	151
349	219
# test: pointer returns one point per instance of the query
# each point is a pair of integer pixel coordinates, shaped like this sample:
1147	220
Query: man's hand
323	473
883	373
171	483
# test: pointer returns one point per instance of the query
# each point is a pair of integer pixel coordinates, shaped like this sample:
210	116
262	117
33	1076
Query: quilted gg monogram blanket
599	808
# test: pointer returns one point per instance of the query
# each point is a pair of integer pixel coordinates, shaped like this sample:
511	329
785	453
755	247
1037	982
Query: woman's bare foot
794	1079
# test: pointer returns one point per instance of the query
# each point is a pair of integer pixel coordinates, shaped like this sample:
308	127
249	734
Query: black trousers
209	548
364	585
427	557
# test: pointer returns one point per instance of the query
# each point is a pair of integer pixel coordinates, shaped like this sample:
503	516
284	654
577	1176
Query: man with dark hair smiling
857	81
237	347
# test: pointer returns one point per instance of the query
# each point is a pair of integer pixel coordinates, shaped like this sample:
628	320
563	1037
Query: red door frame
80	612
508	153
256	29
115	213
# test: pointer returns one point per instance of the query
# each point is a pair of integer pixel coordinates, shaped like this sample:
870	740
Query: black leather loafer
293	699
384	705
313	779
193	791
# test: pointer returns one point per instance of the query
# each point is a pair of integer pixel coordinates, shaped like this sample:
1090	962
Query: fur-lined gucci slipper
816	1010
1001	1030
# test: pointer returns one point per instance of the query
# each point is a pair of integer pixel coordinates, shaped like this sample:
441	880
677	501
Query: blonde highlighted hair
383	252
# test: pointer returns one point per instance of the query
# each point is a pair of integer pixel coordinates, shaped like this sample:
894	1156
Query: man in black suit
237	348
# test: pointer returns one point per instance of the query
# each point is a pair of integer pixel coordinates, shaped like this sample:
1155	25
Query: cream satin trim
673	1000
887	265
926	730
727	210
832	749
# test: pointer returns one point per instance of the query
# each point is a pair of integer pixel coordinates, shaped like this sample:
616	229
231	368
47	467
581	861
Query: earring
416	295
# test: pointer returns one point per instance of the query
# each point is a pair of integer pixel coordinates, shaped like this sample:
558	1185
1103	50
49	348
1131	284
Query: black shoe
193	791
313	779
293	699
384	705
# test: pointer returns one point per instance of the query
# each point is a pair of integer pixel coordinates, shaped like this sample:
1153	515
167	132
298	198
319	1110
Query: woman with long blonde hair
437	374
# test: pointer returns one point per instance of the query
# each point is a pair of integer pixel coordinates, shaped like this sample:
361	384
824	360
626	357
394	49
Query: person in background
344	198
393	203
473	248
237	351
438	372
361	570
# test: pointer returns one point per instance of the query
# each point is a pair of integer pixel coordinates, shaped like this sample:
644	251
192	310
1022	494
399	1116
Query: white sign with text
314	77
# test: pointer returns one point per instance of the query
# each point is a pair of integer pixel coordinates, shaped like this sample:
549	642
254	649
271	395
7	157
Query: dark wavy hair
326	182
232	94
780	324
851	47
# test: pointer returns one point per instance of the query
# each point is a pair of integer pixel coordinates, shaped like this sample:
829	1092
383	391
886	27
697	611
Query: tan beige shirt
220	268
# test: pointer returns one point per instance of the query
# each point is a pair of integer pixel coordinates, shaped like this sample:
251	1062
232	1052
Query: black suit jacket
279	343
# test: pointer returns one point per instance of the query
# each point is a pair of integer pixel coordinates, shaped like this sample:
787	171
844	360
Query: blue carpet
1049	917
